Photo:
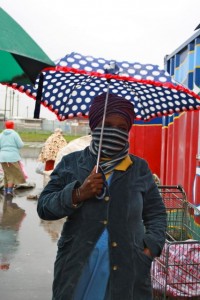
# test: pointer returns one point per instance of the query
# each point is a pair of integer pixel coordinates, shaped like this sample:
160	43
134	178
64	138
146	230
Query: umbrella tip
198	27
112	68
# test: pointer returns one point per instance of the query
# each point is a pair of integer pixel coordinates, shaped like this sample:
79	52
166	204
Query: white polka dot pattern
70	94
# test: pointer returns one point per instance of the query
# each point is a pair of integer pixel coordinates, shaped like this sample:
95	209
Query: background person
107	243
49	151
10	144
74	145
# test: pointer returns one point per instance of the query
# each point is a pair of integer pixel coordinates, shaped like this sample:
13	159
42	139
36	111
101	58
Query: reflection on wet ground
27	244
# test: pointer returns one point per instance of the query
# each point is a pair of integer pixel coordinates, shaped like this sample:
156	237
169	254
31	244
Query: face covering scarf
114	147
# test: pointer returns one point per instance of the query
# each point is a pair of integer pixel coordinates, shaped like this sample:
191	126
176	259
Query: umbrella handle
105	186
102	129
100	197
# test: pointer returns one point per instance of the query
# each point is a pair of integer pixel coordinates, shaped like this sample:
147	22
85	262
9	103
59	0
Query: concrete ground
27	244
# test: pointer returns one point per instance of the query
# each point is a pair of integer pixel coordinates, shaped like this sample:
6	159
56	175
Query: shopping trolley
176	273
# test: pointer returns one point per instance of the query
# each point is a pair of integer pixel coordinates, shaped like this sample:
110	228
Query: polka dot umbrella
69	88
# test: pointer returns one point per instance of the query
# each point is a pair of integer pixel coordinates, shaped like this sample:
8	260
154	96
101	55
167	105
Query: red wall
170	150
179	150
145	141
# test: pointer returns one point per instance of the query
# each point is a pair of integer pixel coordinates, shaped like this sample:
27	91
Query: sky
137	31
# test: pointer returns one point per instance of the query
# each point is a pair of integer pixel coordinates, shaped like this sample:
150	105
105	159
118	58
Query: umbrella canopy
21	59
69	89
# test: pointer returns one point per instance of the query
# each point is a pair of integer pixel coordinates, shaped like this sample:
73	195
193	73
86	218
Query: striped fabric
115	147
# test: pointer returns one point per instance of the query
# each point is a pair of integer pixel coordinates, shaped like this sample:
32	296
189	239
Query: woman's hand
91	187
148	252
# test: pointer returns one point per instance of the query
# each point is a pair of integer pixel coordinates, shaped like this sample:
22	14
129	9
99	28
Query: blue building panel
184	63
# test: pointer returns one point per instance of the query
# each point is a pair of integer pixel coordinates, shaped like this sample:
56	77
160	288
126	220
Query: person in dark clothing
115	217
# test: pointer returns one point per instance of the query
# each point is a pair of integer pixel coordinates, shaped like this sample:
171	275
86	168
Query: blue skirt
93	282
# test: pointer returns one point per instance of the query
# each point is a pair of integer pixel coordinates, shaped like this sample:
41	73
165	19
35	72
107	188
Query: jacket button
115	268
114	244
107	198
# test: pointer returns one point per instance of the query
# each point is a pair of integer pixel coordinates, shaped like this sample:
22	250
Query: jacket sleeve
55	201
154	218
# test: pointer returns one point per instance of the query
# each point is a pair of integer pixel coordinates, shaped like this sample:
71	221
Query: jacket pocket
144	257
139	249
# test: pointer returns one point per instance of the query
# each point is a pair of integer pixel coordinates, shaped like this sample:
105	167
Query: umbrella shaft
102	129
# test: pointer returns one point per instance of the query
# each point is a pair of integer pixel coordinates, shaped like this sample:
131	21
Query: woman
10	144
53	144
116	219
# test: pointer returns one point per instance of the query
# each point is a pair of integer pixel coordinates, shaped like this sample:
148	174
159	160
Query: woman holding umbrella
116	219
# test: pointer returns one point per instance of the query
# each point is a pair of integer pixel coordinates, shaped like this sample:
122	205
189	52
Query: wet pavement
27	244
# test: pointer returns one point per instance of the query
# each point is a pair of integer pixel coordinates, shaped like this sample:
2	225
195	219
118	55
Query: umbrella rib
81	81
126	83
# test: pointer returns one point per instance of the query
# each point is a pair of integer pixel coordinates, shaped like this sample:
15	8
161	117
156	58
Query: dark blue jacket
132	211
